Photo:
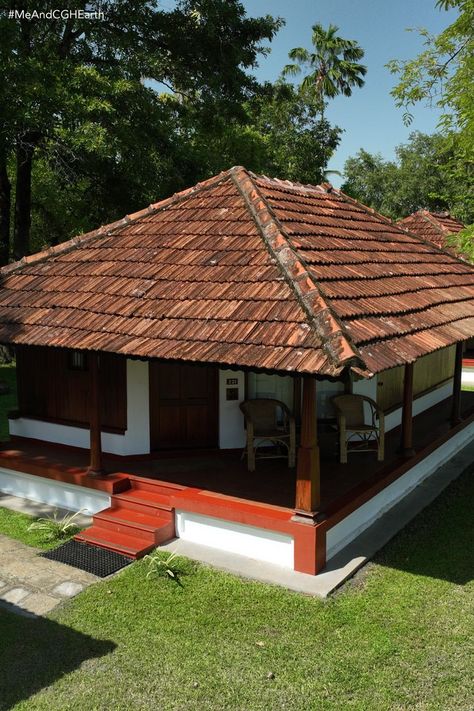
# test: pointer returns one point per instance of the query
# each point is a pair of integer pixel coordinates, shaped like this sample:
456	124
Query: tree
372	180
420	177
334	65
70	87
282	134
443	76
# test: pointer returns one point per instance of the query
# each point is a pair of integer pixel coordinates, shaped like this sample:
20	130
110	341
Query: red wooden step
135	523
143	520
159	487
132	546
144	498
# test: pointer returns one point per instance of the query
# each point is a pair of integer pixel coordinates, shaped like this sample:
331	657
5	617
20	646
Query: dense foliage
442	75
421	176
73	101
98	118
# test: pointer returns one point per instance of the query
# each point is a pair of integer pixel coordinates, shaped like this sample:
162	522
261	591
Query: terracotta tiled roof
250	271
432	226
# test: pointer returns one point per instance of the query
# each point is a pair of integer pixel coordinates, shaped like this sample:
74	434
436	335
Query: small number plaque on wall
232	394
232	381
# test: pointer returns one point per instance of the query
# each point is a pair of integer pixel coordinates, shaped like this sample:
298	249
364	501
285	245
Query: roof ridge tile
337	343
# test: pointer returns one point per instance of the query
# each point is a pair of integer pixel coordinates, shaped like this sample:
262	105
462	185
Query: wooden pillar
95	464
407	412
297	399
457	382
308	485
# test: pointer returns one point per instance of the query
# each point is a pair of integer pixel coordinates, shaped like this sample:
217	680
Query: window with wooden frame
77	360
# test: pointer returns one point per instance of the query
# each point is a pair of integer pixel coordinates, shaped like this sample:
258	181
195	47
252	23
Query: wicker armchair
353	428
268	421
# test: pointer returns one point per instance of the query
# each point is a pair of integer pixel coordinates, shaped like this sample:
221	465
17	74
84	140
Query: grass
15	525
398	637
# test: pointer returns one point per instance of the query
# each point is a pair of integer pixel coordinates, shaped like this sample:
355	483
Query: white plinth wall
237	538
52	492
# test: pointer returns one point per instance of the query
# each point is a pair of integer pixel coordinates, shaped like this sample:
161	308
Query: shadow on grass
439	542
35	652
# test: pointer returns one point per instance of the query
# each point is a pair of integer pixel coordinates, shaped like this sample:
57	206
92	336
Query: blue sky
369	116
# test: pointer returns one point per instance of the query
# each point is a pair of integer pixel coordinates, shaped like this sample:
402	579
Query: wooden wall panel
430	371
433	369
390	388
49	388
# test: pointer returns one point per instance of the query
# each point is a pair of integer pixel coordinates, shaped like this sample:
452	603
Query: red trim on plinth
310	548
38	466
231	508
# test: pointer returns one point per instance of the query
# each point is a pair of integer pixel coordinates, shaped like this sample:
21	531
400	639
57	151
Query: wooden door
183	406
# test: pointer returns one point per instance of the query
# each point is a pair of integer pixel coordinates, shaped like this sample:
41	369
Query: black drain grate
92	559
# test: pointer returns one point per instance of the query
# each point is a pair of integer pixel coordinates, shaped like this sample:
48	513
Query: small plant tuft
54	528
164	565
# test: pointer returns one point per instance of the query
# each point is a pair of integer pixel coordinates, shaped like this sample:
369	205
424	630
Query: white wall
249	541
346	530
55	493
277	387
367	387
136	439
468	376
231	420
137	435
325	391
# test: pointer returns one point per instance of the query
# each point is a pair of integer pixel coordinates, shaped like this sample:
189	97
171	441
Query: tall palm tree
334	65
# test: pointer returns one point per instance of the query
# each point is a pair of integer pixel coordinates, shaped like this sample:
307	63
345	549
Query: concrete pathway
33	586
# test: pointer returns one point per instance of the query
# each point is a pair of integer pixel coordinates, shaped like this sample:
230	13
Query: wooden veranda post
95	464
308	485
407	412
457	383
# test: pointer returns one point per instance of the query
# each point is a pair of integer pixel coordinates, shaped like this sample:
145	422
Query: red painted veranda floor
272	483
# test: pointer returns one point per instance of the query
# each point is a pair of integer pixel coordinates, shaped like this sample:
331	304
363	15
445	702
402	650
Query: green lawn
400	636
15	525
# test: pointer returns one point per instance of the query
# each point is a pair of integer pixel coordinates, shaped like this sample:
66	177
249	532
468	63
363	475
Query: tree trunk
24	163
5	204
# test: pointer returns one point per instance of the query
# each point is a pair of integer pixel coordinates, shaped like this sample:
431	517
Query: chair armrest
246	413
341	419
375	408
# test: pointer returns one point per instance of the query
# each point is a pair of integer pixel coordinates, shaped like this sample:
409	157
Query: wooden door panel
168	382
197	426
170	425
183	406
195	385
